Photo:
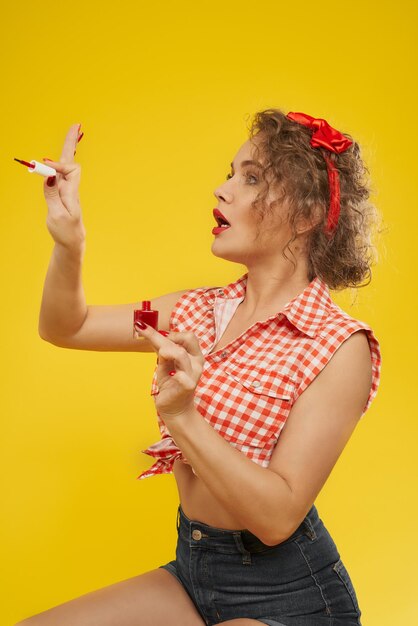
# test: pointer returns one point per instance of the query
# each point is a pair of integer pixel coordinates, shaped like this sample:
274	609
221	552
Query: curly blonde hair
300	172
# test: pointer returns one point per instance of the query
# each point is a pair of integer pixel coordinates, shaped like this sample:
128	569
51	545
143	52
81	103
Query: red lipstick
219	229
223	223
218	216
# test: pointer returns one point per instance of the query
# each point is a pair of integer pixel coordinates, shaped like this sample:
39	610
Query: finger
70	143
189	341
172	354
158	339
186	382
80	137
68	170
154	336
167	350
58	198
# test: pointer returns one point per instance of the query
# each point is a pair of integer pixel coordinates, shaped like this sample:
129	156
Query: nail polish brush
34	167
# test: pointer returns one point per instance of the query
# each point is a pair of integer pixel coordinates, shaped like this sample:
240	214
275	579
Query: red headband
325	136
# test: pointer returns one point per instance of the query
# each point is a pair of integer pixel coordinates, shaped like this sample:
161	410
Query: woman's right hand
64	220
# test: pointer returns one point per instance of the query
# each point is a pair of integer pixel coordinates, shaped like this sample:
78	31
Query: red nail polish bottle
145	315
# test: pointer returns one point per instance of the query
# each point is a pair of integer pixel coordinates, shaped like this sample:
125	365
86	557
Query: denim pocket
343	575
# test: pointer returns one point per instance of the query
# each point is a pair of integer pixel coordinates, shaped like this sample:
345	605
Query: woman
258	385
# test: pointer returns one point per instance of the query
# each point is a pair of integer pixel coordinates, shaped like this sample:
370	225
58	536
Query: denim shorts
301	581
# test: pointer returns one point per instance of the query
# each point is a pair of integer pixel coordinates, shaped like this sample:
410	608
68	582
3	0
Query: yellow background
164	92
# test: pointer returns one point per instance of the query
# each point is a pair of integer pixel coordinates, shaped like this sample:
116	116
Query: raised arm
65	319
109	328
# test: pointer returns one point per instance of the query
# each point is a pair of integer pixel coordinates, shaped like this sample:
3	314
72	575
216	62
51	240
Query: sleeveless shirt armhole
376	358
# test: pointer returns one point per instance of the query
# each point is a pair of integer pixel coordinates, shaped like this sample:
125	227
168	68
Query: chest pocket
260	400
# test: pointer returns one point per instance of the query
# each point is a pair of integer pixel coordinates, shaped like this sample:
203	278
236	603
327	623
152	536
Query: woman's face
239	243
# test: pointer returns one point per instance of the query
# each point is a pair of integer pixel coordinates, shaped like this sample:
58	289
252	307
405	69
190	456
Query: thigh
155	598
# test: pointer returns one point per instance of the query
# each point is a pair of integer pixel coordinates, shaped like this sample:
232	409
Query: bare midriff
197	502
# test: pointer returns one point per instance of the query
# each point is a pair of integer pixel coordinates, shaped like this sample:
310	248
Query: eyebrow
244	163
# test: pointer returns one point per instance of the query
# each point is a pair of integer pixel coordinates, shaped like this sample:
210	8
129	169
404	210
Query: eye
253	177
248	176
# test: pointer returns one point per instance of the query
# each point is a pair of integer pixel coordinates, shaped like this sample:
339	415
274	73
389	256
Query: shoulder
339	323
341	327
347	377
341	345
344	330
194	295
190	306
352	363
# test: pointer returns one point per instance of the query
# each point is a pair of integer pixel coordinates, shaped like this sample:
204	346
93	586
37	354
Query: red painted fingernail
140	325
50	181
172	373
164	333
46	159
80	138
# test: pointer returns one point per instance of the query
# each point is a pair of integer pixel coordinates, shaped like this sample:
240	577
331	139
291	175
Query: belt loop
309	529
178	518
246	556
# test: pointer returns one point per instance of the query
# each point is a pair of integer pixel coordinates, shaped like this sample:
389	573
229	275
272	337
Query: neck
271	291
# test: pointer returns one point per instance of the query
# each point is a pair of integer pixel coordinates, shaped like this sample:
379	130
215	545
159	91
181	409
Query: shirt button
220	292
224	354
255	384
197	535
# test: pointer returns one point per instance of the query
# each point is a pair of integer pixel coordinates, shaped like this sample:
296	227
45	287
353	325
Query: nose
221	194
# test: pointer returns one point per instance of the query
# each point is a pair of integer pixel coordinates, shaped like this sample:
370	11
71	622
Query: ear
306	224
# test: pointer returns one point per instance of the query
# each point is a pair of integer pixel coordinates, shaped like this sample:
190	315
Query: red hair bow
324	136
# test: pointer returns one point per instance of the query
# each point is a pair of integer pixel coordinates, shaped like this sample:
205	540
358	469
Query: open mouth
220	219
223	224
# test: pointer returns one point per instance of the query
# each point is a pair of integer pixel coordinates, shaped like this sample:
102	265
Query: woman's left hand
179	353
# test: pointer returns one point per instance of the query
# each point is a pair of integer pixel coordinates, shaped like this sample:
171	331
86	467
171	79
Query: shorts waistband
198	533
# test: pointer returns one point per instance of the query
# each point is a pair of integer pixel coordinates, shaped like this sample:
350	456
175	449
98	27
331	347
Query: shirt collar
308	311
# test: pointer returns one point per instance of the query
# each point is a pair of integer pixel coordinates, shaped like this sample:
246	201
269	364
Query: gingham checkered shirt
247	388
